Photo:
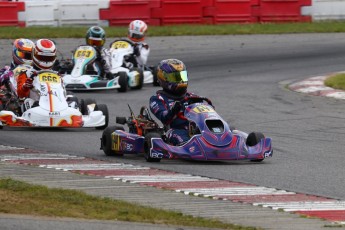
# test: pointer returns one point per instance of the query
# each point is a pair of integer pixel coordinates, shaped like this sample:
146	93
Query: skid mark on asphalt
309	205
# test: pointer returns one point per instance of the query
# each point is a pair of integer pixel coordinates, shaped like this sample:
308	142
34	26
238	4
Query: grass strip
336	81
18	197
178	30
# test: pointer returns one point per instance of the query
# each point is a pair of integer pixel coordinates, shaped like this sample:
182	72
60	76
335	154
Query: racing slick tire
148	145
141	79
83	105
253	139
123	82
71	99
106	140
105	111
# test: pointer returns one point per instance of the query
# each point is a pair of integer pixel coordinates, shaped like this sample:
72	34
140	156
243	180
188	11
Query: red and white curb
315	86
308	205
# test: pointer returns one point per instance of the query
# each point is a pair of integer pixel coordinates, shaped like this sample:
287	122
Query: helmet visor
23	54
176	77
95	41
137	36
45	57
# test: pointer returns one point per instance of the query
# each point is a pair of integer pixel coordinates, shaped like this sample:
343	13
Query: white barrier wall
325	10
63	13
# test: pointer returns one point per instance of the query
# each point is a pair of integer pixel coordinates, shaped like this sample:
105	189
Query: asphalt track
246	78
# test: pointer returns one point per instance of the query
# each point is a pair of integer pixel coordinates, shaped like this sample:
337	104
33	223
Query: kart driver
21	55
21	52
95	36
136	33
43	58
167	104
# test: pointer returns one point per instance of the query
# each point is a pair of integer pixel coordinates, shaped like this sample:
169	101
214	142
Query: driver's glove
176	107
136	51
28	84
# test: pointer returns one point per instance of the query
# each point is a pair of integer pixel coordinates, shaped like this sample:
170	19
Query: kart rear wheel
123	82
141	79
253	139
106	140
104	109
148	145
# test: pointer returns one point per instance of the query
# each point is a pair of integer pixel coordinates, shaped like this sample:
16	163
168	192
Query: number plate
49	78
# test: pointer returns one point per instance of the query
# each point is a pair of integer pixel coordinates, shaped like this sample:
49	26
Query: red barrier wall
166	12
231	11
282	10
9	13
122	12
179	12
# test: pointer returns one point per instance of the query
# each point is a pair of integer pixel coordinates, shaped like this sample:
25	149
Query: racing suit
141	53
161	105
103	61
22	74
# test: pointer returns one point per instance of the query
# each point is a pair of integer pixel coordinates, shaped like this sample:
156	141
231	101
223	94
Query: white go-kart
49	106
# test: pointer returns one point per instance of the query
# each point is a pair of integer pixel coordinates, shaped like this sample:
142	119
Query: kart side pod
119	142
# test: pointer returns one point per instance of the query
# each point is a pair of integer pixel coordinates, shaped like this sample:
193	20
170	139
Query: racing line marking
309	205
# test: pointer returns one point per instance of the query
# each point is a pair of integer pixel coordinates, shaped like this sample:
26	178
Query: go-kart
211	138
82	77
123	61
49	106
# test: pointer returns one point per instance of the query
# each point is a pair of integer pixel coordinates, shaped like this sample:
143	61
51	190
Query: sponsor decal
115	142
126	146
54	114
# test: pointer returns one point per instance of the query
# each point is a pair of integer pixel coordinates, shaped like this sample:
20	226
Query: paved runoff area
228	201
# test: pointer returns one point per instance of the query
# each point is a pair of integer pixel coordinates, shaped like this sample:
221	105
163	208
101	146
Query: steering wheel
196	99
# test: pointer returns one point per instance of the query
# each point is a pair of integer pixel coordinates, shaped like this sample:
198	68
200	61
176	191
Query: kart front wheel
140	80
123	82
148	145
106	141
104	109
253	139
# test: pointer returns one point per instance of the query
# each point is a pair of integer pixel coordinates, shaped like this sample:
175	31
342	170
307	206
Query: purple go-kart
211	137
